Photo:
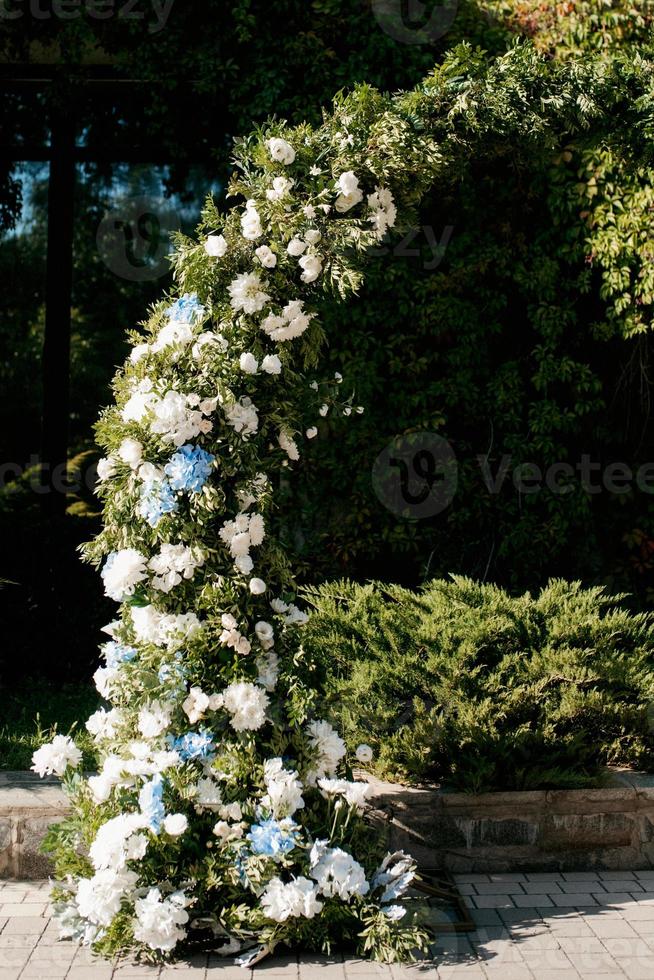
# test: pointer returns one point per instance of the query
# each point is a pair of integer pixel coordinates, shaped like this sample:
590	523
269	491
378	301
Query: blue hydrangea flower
189	468
116	653
272	837
193	745
151	803
173	672
157	498
187	309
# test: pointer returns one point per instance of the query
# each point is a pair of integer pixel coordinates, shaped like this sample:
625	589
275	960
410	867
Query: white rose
311	266
106	468
271	364
296	247
266	256
215	246
280	150
175	824
131	451
248	363
257	586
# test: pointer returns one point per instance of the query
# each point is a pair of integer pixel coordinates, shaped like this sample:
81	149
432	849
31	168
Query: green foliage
35	711
463	683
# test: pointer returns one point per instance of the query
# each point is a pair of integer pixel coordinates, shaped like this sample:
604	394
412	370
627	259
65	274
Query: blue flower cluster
189	468
116	653
151	803
157	499
193	745
187	309
174	672
272	838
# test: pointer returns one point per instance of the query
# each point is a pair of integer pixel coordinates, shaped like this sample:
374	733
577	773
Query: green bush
466	684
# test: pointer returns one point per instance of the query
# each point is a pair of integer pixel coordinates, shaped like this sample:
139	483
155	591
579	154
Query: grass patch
35	711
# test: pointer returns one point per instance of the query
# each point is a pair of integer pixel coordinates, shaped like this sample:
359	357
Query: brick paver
574	926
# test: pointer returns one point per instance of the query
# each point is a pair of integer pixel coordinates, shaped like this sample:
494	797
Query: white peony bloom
280	150
55	757
247	704
311	266
328	746
338	874
215	246
246	293
100	898
178	420
131	452
138	352
248	363
118	841
243	417
103	724
174	332
122	572
364	753
175	824
284	789
257	586
283	900
271	364
104	679
280	188
288	444
106	468
349	192
196	705
173	563
139	403
266	256
251	222
158	923
154	718
296	247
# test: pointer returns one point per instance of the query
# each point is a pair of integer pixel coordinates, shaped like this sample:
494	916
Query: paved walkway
537	927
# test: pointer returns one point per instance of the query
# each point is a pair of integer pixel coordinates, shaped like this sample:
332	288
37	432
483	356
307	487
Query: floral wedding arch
223	805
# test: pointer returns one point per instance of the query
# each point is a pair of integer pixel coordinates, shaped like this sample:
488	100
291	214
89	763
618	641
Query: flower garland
223	805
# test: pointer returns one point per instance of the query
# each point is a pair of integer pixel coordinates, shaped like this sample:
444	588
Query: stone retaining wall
546	830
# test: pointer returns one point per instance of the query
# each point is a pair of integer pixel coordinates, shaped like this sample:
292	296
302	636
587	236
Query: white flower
311	266
106	468
228	831
328	746
280	188
268	667
281	901
248	363
170	630
242	416
383	210
311	432
394	912
395	875
355	794
139	351
280	150
271	364
312	236
178	420
173	563
118	841
230	811
103	724
292	322
175	824
122	572
104	680
338	874
139	403
350	192
207	793
131	452
265	633
207	341
284	789
251	222
322	411
257	586
154	719
247	705
99	898
55	757
196	704
266	256
246	293
296	247
159	920
288	444
308	210
364	753
215	246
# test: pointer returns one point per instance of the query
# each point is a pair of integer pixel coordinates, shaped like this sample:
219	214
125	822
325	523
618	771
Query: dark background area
114	130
